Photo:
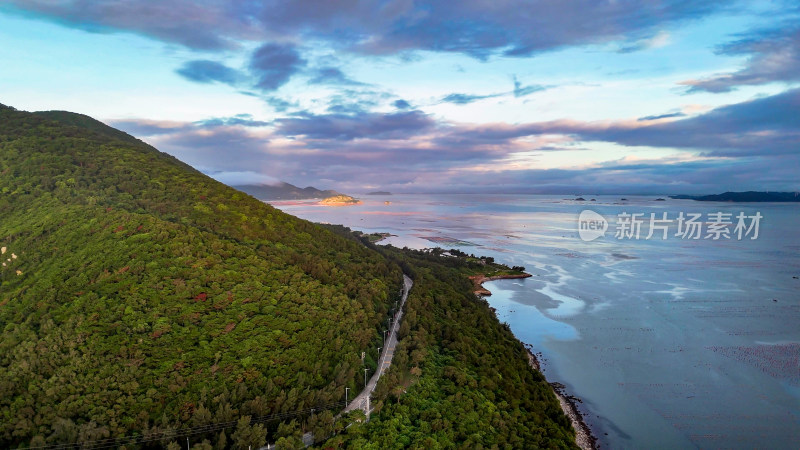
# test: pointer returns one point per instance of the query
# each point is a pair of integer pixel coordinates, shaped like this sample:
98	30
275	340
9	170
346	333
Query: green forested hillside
138	294
459	378
87	123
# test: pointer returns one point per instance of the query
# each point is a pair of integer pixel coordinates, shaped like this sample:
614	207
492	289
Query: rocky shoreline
583	435
478	281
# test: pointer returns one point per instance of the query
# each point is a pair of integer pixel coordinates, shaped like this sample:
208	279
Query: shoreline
478	281
584	438
323	203
583	434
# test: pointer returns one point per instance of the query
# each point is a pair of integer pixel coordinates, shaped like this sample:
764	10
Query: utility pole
345	396
365	378
187	443
384	337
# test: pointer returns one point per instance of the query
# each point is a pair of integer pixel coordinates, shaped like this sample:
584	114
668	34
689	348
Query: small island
340	200
379	193
749	196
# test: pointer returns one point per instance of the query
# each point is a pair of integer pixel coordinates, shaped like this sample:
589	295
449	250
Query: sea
688	338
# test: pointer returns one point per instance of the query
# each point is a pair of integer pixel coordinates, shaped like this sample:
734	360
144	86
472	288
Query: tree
247	435
222	441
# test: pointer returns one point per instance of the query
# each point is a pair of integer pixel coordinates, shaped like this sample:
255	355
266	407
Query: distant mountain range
749	196
284	191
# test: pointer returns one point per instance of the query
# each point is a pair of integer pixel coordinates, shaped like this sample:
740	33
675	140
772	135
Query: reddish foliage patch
187	409
229	327
118	229
124	269
158	333
201	297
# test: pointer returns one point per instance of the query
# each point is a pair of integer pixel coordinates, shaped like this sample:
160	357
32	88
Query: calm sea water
669	343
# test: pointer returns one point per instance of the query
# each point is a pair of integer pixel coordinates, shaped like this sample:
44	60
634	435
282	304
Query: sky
475	96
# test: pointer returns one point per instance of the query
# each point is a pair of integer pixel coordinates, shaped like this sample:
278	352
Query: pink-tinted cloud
410	150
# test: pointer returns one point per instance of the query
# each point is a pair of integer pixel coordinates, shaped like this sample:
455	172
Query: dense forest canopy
459	378
144	294
139	296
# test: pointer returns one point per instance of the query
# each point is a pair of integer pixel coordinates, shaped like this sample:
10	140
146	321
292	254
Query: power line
192	431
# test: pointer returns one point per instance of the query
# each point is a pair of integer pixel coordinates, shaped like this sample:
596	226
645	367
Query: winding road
362	400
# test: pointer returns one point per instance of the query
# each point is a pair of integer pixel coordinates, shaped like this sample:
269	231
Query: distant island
749	196
379	193
284	191
340	200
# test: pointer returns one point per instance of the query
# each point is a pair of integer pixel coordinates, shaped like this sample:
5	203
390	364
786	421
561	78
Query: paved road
361	401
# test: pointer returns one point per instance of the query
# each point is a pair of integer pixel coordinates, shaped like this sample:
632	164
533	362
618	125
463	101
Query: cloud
274	64
660	39
768	125
356	126
241	178
661	116
204	25
774	55
473	27
223	149
749	145
278	104
204	71
356	101
464	99
144	127
521	91
245	120
655	177
518	91
332	75
401	104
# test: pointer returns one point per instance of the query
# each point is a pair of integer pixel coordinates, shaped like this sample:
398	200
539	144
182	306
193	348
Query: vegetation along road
362	400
